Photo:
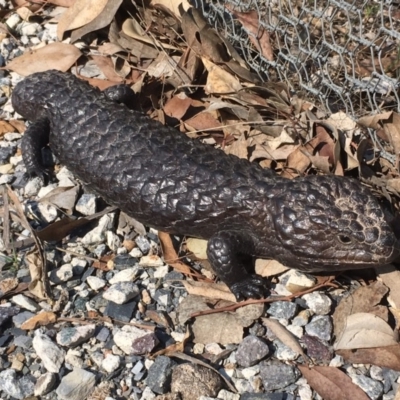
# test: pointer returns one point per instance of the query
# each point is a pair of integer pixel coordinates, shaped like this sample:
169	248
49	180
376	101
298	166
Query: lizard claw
253	287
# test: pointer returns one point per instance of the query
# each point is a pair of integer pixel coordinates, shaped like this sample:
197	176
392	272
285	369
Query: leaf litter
183	71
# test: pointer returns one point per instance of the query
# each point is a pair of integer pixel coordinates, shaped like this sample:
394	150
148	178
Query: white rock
75	335
32	187
95	283
113	241
126	275
225	395
124	337
121	292
151	261
62	274
318	302
25	302
13	20
77	385
29	28
44	384
51	355
111	363
160	272
136	253
86	204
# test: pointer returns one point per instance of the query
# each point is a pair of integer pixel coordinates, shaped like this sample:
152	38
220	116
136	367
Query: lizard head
332	223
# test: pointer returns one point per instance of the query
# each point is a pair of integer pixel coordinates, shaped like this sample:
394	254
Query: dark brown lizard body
179	185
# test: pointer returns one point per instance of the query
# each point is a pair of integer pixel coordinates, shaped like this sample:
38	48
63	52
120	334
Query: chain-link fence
344	55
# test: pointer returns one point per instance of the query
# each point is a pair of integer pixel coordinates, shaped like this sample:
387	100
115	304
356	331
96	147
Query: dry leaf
81	13
203	121
62	197
390	276
269	268
219	80
331	383
102	20
170	256
285	336
364	330
60	56
42	319
7	285
6	127
173	5
386	357
198	247
258	35
364	299
177	106
210	290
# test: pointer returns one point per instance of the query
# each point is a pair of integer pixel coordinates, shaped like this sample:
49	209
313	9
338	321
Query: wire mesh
343	55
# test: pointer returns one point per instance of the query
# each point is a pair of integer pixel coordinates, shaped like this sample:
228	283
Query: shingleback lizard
172	183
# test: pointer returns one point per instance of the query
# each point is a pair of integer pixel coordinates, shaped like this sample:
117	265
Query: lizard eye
344	239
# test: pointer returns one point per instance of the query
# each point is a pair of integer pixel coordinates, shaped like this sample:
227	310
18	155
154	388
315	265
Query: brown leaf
6	127
390	277
42	319
62	197
284	335
211	290
7	285
173	5
102	20
268	268
202	121
258	35
81	13
59	56
364	299
107	68
170	256
298	161
219	80
177	106
331	383
386	357
363	330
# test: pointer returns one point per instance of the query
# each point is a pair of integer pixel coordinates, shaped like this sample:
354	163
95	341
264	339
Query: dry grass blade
42	262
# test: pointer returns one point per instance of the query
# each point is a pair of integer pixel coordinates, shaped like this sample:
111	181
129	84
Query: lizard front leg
231	255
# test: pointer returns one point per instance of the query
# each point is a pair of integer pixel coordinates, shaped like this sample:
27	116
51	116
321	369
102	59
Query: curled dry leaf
365	299
258	35
364	330
37	286
211	290
390	277
81	13
60	56
219	80
386	357
42	319
102	20
62	197
285	336
173	5
331	383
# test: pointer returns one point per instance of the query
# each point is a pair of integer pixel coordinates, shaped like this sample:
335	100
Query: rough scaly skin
179	185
